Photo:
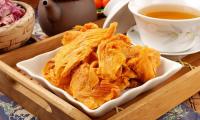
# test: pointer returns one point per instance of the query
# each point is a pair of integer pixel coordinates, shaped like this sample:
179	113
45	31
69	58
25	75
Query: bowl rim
29	13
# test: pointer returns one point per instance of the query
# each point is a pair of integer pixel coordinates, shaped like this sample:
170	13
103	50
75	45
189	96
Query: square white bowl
34	67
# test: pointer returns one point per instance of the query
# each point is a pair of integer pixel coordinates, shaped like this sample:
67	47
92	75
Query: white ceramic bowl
34	66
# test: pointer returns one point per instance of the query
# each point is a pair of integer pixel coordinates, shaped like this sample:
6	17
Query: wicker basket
16	34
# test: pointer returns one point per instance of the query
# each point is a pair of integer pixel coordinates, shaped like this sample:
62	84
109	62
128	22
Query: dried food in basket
96	65
21	29
10	12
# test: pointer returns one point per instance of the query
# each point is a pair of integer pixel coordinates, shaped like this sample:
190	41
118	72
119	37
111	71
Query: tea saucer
135	37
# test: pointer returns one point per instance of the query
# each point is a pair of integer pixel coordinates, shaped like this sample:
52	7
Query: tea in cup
168	26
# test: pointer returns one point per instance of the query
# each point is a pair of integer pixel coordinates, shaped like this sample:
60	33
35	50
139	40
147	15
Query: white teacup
166	35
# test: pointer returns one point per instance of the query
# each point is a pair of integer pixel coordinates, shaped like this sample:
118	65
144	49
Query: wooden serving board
47	106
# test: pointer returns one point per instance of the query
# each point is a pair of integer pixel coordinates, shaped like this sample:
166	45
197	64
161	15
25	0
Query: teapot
56	16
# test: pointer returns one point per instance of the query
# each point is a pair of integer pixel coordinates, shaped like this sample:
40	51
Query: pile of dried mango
95	65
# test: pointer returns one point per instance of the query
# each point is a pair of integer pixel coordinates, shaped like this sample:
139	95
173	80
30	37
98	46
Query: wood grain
178	91
24	97
36	48
62	108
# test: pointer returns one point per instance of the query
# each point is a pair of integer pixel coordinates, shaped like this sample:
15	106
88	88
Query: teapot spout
52	9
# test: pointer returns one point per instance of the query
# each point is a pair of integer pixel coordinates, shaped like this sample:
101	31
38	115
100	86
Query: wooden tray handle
17	81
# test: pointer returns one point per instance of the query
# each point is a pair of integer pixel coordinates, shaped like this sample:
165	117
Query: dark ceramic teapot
56	16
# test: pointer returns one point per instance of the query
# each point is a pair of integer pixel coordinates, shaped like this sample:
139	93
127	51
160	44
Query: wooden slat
24	97
194	101
29	51
161	101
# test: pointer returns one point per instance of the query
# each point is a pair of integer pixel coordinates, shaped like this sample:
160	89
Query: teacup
166	35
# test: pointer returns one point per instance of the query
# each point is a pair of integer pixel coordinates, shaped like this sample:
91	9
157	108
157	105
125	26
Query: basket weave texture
16	34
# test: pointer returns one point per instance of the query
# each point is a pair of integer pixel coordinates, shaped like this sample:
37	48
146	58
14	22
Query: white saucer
135	37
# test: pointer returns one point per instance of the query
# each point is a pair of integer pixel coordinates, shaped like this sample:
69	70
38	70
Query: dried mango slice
145	62
95	65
